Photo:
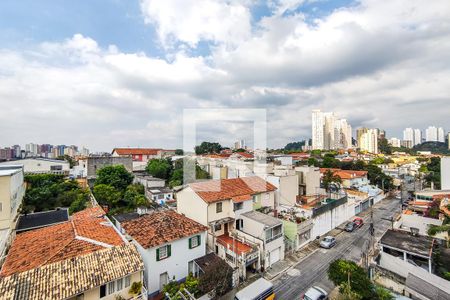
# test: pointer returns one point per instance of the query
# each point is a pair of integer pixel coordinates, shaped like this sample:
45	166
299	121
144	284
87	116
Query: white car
315	293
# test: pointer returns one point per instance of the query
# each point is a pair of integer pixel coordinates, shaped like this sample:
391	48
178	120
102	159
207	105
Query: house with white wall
267	232
40	165
168	243
219	204
12	190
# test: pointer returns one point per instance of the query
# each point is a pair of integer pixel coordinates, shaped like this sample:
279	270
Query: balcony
327	205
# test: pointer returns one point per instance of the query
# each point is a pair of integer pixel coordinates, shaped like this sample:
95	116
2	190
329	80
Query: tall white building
408	134
417	137
431	134
369	141
318	125
441	135
329	132
412	137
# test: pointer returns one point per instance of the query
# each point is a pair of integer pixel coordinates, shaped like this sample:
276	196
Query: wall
331	219
12	190
192	206
445	173
310	176
94	293
175	265
32	165
95	163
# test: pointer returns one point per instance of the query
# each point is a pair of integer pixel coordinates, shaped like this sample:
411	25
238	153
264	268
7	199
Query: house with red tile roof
219	204
350	178
169	243
71	247
141	156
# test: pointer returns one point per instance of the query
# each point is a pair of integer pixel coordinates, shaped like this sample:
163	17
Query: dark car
350	227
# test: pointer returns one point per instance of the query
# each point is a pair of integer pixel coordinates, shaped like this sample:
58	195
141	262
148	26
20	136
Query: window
56	168
1	206
163	252
219	207
194	241
217	227
127	281
160	196
111	287
238	206
239	224
119	284
103	291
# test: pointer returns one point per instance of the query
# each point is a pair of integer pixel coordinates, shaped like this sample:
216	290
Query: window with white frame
163	252
111	287
119	284
128	281
219	207
194	241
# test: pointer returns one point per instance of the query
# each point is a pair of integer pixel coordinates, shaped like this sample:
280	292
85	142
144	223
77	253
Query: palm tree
329	178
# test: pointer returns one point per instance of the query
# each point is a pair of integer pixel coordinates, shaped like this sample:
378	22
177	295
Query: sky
107	73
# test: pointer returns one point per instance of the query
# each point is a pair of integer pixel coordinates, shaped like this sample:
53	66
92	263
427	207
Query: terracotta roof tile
217	190
234	245
58	242
137	151
242	198
345	174
161	227
68	278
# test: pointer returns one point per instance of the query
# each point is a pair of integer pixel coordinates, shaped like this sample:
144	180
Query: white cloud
191	21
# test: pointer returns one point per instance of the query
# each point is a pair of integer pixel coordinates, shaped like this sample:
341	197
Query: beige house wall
94	293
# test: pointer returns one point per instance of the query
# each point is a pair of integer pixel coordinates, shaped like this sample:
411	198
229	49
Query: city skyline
127	88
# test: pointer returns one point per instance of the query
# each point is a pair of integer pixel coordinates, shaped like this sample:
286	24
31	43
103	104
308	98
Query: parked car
328	242
358	222
315	293
350	227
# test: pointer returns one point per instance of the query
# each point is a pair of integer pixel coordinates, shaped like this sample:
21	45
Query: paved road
313	270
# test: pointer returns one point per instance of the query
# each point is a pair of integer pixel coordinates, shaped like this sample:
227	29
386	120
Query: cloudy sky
105	73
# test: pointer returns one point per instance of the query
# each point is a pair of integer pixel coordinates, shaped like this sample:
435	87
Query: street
313	270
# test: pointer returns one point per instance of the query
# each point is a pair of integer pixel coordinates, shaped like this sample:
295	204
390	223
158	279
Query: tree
331	162
135	196
384	147
159	168
348	272
294	146
107	194
48	191
115	176
329	178
67	158
313	162
217	278
179	152
383	294
208	148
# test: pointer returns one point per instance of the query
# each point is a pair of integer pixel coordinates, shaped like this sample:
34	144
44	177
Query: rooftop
68	278
417	244
8	170
262	218
137	151
42	219
217	190
161	227
234	245
84	233
345	174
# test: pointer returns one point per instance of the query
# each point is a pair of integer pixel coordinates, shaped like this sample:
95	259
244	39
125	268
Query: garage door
274	256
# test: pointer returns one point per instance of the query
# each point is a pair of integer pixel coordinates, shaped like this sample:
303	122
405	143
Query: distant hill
434	147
